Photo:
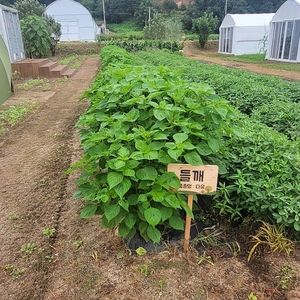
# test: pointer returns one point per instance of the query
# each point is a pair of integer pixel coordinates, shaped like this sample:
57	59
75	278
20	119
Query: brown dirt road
192	50
82	260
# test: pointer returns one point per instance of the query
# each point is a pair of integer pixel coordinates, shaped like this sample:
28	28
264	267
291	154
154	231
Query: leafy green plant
112	54
140	120
204	258
212	237
15	273
15	113
272	237
13	216
251	296
287	277
30	83
27	249
204	26
144	270
36	36
78	243
49	258
132	46
49	232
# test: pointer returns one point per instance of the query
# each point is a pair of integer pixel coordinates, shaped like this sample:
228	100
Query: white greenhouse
77	23
284	42
10	31
244	33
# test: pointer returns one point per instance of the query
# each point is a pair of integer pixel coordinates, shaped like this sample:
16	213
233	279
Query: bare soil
84	261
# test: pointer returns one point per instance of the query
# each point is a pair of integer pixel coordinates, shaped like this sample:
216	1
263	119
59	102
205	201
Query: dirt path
33	158
192	50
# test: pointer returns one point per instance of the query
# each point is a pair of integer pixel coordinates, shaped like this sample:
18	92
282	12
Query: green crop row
139	45
269	99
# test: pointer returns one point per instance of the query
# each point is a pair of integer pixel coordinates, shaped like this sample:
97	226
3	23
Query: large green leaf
147	173
166	213
130	220
114	178
88	211
214	144
123	187
180	137
123	229
175	153
152	215
222	111
154	234
112	211
159	114
193	158
176	222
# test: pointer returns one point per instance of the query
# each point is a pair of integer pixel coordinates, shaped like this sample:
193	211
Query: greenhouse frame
284	43
77	23
244	33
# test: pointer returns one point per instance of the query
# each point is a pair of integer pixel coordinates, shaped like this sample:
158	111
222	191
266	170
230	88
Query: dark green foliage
28	8
36	36
140	119
132	46
161	29
263	177
169	5
282	116
112	54
204	26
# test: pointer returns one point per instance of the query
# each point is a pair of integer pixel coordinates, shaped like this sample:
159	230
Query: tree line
117	11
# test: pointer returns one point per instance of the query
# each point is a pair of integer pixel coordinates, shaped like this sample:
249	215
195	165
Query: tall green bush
36	36
142	118
160	29
204	26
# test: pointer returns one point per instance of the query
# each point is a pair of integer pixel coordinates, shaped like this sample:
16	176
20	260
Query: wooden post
187	231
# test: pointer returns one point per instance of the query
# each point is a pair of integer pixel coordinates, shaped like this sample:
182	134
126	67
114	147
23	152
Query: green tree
161	29
36	36
4	2
204	26
144	12
169	5
29	7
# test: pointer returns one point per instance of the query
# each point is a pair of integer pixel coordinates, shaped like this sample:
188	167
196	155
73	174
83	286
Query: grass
259	59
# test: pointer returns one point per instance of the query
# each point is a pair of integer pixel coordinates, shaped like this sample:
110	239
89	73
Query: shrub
36	36
204	26
142	118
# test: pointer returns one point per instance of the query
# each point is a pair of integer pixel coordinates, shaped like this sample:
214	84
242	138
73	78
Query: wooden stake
187	231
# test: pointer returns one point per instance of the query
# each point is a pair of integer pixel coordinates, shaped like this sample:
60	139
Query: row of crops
144	115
